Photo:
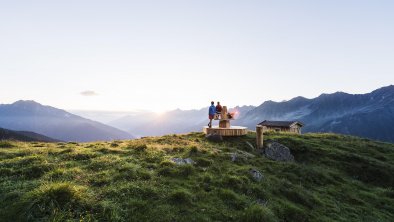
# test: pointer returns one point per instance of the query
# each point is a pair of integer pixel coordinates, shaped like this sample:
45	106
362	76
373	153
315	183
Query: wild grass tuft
5	144
181	196
258	213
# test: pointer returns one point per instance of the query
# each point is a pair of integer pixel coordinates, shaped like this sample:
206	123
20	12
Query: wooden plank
232	131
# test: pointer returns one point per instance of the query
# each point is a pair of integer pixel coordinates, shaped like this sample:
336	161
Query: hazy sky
161	55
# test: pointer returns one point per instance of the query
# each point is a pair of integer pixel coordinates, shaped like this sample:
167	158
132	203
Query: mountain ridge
27	136
28	115
354	114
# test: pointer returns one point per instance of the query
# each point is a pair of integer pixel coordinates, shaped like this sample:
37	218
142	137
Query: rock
257	176
262	202
180	161
234	157
214	137
278	152
188	161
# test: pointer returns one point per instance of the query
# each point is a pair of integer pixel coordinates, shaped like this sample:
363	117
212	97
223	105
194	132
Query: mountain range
55	123
369	115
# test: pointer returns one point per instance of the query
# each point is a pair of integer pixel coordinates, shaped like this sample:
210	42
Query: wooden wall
293	129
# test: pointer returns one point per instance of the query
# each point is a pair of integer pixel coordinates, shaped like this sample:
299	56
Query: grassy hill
333	178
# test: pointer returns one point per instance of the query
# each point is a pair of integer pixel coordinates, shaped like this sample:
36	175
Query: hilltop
333	178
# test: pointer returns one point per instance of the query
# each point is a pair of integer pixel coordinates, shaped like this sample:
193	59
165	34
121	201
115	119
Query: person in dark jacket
211	113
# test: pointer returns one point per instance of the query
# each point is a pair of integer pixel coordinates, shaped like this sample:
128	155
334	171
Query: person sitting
211	113
218	111
218	108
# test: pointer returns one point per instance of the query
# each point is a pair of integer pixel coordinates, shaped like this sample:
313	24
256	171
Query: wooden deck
232	131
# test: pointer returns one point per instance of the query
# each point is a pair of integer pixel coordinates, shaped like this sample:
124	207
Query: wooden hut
282	126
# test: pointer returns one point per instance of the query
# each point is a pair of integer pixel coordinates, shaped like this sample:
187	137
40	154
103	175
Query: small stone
257	176
180	161
262	202
233	157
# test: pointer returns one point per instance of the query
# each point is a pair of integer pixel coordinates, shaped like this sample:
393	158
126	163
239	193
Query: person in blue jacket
211	113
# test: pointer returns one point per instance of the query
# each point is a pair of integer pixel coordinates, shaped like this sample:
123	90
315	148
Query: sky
162	55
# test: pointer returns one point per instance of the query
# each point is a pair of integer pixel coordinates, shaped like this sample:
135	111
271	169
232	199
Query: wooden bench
224	128
232	131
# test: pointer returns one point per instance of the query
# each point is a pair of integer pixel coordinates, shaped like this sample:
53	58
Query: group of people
214	110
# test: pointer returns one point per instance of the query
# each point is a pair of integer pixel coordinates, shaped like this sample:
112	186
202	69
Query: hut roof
280	123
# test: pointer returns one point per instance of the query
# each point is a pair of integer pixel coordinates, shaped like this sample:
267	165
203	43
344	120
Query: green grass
334	178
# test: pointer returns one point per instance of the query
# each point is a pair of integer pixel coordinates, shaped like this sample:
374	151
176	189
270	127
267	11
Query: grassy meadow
333	178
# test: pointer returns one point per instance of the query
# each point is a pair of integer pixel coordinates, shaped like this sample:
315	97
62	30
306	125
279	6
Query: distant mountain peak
391	87
26	102
385	89
298	99
268	102
27	105
335	94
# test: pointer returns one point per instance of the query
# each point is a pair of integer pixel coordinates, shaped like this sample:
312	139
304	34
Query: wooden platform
232	131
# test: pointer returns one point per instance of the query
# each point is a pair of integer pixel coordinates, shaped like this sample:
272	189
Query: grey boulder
278	152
